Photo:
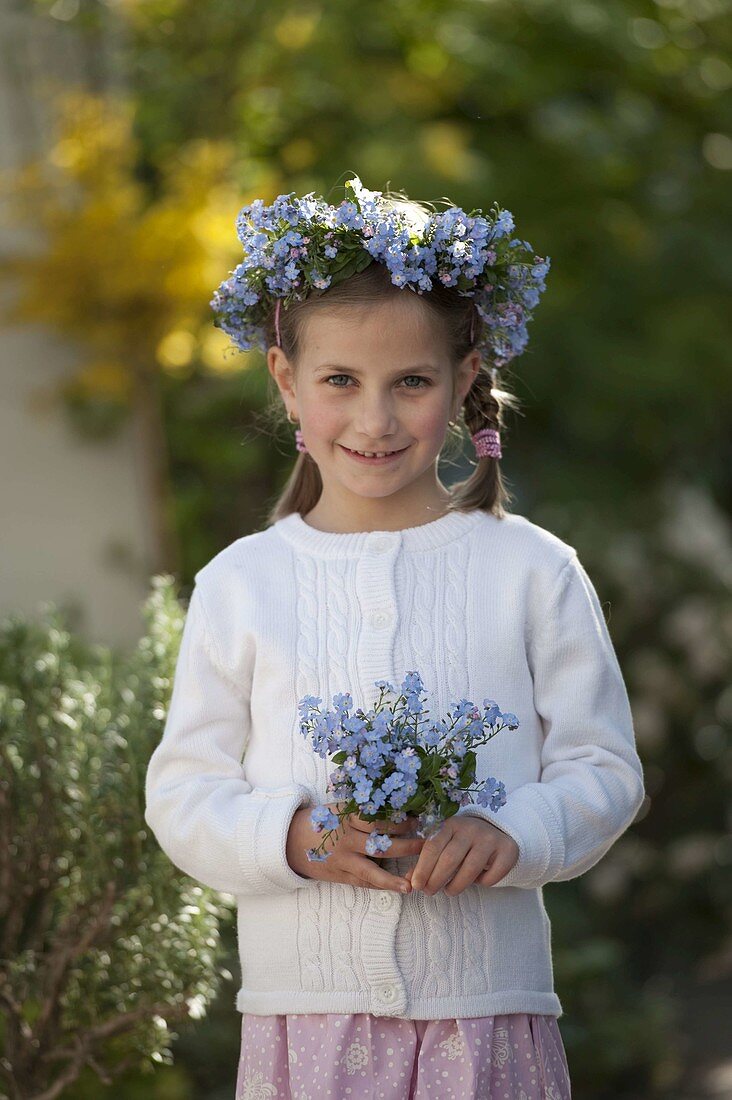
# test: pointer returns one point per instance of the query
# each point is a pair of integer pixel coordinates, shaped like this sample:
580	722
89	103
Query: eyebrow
422	368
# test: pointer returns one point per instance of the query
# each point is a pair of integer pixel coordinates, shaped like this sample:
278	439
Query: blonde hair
453	314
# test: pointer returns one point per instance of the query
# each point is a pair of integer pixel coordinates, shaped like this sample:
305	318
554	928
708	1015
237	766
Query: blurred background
134	446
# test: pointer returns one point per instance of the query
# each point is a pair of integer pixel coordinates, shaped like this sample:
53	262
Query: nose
375	419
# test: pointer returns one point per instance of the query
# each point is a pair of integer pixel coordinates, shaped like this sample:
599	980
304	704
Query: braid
482	408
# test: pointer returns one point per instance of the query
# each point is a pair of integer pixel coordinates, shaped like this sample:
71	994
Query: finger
472	866
355	821
391	828
374	876
361	831
428	858
498	868
449	860
488	865
406	846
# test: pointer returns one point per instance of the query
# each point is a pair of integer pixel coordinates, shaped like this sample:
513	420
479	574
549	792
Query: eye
424	382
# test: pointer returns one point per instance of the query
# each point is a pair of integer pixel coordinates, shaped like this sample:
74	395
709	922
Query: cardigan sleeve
591	782
208	819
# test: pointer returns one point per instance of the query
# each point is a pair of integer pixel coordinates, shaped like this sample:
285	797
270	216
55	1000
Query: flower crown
296	247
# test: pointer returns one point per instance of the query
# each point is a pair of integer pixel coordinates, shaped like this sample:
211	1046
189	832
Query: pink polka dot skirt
359	1056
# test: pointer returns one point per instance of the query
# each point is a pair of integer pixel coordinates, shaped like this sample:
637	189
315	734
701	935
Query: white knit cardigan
481	607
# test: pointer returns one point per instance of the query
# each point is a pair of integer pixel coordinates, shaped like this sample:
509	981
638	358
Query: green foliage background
604	128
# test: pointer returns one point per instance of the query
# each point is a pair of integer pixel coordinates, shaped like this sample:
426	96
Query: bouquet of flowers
395	761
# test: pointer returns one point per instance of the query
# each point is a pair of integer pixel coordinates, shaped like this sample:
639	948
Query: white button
380	545
386	899
380	619
387	993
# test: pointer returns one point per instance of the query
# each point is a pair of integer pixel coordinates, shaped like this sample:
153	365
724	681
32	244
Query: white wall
73	525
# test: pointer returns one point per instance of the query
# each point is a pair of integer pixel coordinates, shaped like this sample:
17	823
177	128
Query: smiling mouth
373	454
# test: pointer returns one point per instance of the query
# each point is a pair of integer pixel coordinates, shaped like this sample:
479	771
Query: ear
279	367
466	375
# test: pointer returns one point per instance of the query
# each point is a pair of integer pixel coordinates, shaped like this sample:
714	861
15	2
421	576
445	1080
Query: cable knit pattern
469	919
307	765
433	634
482	608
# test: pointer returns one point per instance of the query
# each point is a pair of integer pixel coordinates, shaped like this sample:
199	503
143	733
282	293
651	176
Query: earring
299	441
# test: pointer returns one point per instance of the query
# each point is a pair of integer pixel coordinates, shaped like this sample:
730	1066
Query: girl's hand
466	851
348	861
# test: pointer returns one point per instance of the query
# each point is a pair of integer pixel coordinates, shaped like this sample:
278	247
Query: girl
426	971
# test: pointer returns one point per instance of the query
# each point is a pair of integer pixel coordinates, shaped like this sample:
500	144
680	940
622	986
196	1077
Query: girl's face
374	380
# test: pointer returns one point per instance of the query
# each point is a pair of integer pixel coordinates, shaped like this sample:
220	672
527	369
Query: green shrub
103	942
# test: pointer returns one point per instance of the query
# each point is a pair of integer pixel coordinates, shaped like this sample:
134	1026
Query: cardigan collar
427	536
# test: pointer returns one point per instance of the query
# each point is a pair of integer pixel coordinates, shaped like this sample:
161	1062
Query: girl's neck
330	520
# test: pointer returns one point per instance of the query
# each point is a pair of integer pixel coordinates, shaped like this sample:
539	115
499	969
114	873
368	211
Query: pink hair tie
487	443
